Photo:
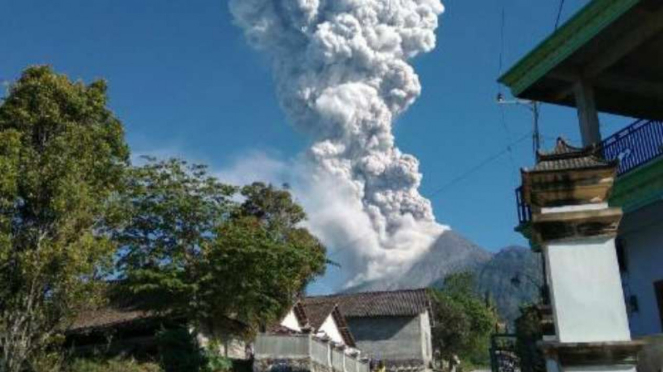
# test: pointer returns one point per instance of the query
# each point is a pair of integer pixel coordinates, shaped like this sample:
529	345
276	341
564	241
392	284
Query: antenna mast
535	108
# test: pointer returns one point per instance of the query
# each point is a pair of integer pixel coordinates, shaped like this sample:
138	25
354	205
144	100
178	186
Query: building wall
588	303
650	358
642	234
426	337
389	338
290	321
228	345
330	328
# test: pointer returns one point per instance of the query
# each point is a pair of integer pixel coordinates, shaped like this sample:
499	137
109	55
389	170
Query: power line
480	165
501	56
500	69
559	13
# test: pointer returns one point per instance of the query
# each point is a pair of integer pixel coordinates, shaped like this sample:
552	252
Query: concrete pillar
587	114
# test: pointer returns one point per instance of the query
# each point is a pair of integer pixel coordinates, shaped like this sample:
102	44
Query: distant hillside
496	278
453	253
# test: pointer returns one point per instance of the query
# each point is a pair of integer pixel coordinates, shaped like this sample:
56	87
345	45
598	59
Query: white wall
426	337
586	291
290	321
330	328
228	345
642	232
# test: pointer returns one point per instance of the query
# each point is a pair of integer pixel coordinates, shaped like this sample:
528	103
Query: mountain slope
512	278
453	253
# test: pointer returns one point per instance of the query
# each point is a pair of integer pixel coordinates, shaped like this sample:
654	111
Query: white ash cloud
342	75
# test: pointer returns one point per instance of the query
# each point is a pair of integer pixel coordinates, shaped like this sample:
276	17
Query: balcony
637	147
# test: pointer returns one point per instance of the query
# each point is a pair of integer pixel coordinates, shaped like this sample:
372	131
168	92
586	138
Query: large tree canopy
464	321
198	248
62	157
180	242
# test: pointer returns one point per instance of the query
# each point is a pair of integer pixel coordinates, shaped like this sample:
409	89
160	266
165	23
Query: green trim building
608	58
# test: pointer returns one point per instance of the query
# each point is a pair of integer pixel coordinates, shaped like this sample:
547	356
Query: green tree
529	333
197	248
173	209
62	157
463	320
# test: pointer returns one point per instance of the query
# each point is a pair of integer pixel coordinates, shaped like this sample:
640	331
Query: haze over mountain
453	253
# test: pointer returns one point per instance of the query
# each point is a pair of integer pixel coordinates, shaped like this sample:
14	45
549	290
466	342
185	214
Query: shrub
179	351
215	362
112	365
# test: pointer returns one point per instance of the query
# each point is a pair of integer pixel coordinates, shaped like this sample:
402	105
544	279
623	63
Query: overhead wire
500	70
559	13
480	165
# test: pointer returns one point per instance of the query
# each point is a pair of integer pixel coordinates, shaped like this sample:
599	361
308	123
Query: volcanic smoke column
342	76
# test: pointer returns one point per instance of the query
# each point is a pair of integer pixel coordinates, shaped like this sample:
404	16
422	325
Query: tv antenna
534	107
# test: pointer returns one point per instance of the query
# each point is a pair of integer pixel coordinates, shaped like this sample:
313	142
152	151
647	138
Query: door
658	287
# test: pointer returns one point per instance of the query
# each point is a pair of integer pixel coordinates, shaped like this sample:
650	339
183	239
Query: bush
215	362
179	351
112	365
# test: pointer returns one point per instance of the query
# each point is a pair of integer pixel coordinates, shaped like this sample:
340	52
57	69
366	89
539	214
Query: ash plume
343	77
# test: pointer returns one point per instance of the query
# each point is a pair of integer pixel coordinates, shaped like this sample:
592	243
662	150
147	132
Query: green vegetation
73	210
528	331
112	365
62	158
179	351
191	249
464	321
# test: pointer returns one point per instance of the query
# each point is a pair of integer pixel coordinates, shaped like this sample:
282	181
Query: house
608	58
121	329
393	327
325	320
311	337
342	332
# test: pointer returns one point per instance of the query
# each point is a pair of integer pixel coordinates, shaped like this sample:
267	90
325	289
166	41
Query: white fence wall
363	366
282	347
320	352
305	346
338	360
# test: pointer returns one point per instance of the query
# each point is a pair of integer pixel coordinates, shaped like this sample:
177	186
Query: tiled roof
561	148
107	318
374	304
318	312
566	157
300	314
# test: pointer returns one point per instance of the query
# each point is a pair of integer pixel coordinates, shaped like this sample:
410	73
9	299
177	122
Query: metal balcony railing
634	146
524	211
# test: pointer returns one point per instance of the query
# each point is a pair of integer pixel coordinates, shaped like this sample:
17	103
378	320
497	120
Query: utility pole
534	107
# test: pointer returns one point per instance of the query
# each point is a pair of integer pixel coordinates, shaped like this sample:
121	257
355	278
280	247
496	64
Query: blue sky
184	83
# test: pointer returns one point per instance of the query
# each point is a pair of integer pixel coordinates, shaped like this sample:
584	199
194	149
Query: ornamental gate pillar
568	190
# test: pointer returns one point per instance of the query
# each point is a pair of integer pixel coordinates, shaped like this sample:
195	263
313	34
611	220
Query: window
621	255
658	287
